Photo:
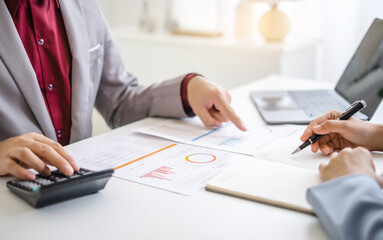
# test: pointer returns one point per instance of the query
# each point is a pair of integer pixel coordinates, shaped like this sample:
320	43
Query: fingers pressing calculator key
57	187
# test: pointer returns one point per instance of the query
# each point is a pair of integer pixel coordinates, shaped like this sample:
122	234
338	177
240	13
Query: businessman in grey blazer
349	203
58	61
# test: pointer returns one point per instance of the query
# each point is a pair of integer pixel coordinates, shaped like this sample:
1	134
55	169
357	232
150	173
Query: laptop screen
363	77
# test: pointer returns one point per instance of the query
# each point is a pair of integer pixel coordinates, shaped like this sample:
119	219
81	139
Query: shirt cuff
184	94
349	207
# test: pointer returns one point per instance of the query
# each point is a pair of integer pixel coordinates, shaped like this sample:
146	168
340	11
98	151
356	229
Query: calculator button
43	181
30	186
53	178
58	176
58	173
83	172
74	176
61	179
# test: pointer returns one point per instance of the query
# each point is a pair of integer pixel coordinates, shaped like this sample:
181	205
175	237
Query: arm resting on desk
349	207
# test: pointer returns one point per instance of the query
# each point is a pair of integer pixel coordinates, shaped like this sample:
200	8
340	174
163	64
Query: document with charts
227	137
156	162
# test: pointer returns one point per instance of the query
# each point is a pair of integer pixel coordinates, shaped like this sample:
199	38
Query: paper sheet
227	137
281	149
117	151
157	162
267	182
184	168
378	161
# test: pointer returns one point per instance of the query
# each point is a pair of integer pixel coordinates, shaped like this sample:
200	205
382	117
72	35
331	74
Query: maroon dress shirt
42	31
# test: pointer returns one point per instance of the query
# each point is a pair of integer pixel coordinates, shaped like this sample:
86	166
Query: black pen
354	108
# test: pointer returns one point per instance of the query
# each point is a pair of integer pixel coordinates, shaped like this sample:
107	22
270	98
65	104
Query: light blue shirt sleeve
349	207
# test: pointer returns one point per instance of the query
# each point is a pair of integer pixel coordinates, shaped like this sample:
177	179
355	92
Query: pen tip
295	151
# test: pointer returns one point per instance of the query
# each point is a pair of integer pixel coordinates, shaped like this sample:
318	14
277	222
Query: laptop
362	80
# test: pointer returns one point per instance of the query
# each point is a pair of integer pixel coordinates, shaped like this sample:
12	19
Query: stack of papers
183	156
157	162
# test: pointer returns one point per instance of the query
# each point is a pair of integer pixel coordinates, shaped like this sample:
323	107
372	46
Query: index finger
229	112
327	116
58	148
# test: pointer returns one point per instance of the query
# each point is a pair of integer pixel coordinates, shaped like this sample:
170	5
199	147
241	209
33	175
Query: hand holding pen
328	134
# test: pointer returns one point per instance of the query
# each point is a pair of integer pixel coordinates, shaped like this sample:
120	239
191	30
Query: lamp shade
274	25
271	1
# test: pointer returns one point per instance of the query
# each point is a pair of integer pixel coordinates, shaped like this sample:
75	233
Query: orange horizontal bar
150	154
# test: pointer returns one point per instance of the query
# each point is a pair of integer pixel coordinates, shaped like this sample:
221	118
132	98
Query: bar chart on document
227	137
157	162
180	168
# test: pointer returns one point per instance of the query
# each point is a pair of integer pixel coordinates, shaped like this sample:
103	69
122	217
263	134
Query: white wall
340	24
342	27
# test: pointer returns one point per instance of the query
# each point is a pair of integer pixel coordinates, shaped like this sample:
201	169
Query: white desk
126	210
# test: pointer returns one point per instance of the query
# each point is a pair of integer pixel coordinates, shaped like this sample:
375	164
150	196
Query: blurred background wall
339	24
323	37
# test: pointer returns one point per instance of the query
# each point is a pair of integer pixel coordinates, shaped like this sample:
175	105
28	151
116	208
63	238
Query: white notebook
267	182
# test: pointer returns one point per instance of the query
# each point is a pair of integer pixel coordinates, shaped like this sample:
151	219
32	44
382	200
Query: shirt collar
13	5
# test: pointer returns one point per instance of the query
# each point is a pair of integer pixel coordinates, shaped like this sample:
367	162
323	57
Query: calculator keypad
43	181
29	186
57	187
40	181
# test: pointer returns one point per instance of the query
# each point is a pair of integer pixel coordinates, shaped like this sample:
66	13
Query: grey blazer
99	79
349	207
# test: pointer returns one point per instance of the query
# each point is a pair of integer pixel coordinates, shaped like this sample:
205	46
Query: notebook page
378	161
281	150
268	182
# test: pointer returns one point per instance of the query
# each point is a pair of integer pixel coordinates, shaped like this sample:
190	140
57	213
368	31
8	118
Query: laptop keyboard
316	103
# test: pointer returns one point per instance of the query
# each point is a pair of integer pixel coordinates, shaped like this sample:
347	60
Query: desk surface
126	210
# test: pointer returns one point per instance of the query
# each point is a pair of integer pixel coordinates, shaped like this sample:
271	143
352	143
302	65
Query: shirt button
41	41
50	87
58	133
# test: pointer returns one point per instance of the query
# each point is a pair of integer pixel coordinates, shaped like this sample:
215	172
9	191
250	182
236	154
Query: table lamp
274	25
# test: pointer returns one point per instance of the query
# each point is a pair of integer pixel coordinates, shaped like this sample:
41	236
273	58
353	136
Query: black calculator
57	187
